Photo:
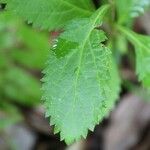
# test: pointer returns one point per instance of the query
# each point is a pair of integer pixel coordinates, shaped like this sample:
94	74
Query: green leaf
81	81
50	14
142	50
19	42
35	48
128	9
20	86
85	4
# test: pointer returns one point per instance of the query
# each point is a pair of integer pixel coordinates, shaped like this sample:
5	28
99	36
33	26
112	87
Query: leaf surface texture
81	81
50	14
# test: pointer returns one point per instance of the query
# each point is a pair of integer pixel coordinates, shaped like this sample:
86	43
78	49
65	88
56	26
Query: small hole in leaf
104	42
2	6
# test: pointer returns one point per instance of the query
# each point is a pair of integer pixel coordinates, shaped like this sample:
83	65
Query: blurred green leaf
29	49
22	87
142	50
26	46
34	50
128	9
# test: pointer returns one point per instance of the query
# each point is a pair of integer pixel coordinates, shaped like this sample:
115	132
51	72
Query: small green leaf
142	50
128	9
50	14
20	86
36	51
19	42
81	81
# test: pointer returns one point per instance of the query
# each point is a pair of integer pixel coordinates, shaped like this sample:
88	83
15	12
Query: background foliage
82	74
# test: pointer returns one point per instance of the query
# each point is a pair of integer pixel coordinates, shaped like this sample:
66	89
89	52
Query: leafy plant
81	83
18	85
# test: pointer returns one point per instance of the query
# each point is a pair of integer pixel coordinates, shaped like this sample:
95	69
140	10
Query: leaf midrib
84	44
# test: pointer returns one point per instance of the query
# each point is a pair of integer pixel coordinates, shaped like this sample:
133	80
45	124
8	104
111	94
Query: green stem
128	33
132	37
